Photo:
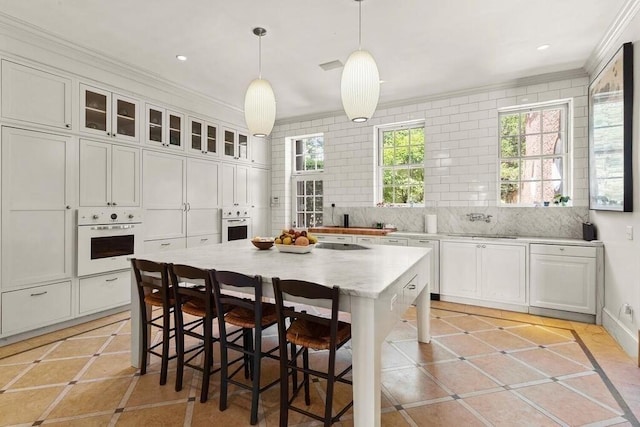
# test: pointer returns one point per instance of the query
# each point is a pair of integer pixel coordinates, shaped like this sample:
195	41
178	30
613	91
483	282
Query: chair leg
305	363
255	375
224	370
165	347
145	338
284	384
208	359
331	374
246	340
294	361
179	348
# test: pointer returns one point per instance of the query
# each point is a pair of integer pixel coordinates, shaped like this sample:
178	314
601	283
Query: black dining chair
309	331
251	316
152	281
194	300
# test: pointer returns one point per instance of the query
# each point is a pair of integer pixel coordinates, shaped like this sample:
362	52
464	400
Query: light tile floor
483	367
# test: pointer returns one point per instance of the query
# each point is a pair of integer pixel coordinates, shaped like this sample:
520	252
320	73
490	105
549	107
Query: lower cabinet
393	241
489	272
207	239
563	278
104	291
434	245
35	307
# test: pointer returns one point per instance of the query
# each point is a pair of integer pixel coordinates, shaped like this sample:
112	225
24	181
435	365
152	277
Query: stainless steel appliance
236	224
106	238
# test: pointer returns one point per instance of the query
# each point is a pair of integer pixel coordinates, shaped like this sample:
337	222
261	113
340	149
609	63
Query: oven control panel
90	216
235	212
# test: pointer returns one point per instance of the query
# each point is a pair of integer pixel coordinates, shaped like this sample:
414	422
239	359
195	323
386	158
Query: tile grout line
30	367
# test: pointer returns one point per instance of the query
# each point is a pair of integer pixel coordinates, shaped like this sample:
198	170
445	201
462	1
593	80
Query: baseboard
627	339
482	303
565	315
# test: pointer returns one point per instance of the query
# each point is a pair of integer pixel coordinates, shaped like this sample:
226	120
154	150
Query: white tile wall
461	148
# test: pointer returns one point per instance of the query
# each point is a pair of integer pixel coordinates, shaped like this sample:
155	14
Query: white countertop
365	273
475	237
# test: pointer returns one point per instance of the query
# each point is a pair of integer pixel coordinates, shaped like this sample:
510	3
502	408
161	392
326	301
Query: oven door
236	229
104	248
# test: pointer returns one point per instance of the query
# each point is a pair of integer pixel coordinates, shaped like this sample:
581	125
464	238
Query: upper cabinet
261	151
35	96
203	137
164	127
108	114
235	145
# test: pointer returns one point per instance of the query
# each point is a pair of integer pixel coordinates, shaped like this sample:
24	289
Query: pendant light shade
360	84
259	101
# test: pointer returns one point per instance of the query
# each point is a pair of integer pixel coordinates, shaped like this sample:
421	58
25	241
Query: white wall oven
106	238
236	224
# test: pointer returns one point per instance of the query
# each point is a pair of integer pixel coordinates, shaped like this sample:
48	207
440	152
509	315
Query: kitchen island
377	284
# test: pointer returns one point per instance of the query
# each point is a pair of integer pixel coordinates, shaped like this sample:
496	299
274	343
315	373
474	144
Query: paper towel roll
431	224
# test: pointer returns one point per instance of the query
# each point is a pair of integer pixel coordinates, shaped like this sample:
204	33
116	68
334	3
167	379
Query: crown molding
606	46
30	34
510	84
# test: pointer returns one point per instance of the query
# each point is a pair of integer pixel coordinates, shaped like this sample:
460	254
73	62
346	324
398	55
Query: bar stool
309	331
251	316
153	290
195	300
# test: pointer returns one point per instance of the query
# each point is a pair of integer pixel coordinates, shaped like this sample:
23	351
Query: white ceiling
422	47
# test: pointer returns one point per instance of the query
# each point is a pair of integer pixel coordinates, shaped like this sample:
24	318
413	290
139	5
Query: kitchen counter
519	239
365	231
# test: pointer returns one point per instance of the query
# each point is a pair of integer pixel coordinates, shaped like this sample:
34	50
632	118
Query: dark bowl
262	245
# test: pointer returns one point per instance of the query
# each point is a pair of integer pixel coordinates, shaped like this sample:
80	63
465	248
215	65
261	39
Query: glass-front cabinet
164	127
203	137
108	114
236	145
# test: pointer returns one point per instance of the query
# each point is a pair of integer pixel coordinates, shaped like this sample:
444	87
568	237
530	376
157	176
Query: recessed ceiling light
181	57
543	47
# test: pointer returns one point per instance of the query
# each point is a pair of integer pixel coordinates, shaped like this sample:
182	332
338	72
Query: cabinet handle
68	207
392	241
424	241
111	280
38	294
188	206
562	249
484	246
411	287
165	244
478	246
108	134
67	125
113	203
108	203
203	240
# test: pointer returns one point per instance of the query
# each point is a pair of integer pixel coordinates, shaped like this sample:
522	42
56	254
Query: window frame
379	130
298	176
567	155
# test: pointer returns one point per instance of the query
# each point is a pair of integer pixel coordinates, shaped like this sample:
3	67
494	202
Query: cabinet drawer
394	241
368	240
34	307
204	240
151	246
334	238
581	251
105	291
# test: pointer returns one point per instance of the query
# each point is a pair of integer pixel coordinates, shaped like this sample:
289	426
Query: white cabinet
434	245
35	96
489	272
235	185
563	278
151	246
108	114
203	137
334	238
367	240
37	199
163	195
260	151
180	196
109	174
35	307
103	292
260	186
235	145
393	241
164	127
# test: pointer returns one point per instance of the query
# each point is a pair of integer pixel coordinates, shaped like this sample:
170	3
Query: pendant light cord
260	56
359	24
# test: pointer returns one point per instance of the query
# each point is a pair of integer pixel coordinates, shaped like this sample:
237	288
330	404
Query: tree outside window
308	165
401	154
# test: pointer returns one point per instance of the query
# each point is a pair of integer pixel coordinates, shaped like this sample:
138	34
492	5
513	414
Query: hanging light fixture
360	85
259	101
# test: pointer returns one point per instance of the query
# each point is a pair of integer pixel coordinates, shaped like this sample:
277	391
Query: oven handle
113	227
235	220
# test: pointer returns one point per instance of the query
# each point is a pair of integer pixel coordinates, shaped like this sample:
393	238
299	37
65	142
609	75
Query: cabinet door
229	143
163	195
155	118
211	146
228	185
459	269
260	151
243	147
260	187
37	194
95	110
95	173
203	213
175	131
35	96
125	117
503	274
435	260
563	283
196	136
125	176
242	186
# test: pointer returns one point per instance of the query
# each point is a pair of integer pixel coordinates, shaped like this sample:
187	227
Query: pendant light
259	101
360	84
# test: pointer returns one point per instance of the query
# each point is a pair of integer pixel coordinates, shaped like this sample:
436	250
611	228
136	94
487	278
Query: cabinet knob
108	203
108	134
67	125
68	207
113	203
562	249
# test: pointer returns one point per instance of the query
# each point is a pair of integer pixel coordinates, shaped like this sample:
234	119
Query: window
401	164
308	164
534	154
